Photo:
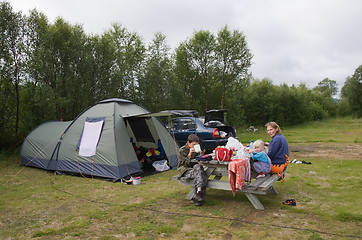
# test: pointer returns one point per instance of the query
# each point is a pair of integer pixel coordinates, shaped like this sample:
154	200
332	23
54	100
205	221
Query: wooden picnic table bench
215	170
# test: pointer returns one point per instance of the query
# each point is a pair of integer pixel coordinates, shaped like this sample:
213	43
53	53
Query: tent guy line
26	165
12	147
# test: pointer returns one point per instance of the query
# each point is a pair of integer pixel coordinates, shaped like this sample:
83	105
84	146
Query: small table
215	170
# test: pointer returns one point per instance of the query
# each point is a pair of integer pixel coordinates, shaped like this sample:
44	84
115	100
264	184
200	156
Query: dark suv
211	130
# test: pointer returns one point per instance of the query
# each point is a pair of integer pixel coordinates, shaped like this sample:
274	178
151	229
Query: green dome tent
99	142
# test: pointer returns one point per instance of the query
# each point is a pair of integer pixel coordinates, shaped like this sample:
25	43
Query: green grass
345	130
37	204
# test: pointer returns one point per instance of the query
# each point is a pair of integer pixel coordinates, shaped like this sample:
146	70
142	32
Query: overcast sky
293	41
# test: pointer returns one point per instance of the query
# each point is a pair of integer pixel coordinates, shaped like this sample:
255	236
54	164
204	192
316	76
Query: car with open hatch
210	129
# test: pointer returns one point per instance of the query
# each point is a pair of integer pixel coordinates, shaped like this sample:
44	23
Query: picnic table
215	170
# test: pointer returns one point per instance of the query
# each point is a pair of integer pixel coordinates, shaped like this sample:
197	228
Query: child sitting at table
262	163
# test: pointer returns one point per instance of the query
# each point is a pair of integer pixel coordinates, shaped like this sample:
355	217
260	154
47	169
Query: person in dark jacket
278	146
191	170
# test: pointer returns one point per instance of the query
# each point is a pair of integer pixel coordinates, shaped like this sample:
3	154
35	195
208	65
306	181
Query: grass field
35	204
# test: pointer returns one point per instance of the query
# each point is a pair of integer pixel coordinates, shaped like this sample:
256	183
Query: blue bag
205	157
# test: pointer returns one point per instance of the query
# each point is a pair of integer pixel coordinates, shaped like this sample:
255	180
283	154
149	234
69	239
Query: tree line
53	71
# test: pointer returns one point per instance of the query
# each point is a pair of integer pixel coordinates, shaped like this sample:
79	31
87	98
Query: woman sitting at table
278	147
192	170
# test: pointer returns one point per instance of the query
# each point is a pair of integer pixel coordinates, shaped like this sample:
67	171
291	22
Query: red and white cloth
236	169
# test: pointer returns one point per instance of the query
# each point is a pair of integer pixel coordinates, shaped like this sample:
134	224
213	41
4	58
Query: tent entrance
140	129
146	142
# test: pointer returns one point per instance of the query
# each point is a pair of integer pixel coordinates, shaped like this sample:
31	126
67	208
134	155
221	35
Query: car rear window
187	124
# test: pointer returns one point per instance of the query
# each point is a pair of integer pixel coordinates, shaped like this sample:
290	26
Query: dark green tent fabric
55	145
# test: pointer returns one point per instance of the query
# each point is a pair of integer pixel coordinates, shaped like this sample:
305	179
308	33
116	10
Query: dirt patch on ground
326	150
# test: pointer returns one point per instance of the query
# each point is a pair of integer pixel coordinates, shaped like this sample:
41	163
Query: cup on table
197	148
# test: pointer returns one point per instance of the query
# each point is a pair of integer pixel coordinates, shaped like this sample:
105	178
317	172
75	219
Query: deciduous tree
233	60
155	84
129	55
12	62
327	87
195	67
352	92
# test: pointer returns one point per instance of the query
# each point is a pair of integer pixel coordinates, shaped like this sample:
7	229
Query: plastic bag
242	153
233	143
161	165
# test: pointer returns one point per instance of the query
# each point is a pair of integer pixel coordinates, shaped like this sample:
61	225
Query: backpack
278	169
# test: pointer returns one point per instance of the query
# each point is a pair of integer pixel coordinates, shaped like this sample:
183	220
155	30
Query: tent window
140	129
90	136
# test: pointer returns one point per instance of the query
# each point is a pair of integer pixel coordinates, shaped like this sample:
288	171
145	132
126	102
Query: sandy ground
351	151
